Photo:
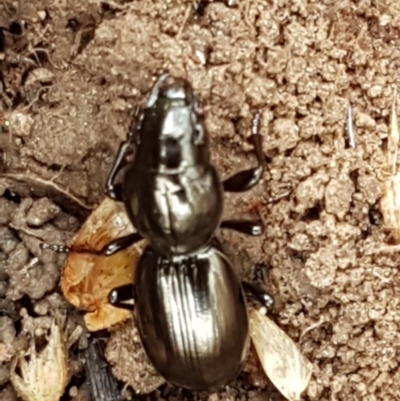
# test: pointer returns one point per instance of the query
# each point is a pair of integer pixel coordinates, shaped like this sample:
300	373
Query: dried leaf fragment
88	276
286	367
390	202
45	375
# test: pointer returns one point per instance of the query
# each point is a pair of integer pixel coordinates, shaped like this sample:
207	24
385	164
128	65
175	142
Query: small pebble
41	212
73	391
7	330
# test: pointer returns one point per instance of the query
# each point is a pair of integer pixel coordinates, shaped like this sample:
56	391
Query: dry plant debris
280	357
89	277
390	202
44	375
350	129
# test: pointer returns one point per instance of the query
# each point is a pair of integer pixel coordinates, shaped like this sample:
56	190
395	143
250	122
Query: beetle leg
55	248
113	190
259	293
119	296
253	228
121	243
246	179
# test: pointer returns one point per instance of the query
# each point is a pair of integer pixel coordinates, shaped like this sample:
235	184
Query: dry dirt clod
7	337
8	242
129	361
30	276
30	269
39	75
7	330
338	196
42	211
6	211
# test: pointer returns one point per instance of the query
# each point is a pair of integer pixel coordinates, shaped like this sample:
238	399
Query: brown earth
71	74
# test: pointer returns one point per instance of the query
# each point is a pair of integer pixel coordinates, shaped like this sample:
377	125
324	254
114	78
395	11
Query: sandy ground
71	74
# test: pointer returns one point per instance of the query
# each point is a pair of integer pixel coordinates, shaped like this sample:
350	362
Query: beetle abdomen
192	318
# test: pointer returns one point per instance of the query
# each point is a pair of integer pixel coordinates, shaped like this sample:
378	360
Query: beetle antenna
55	247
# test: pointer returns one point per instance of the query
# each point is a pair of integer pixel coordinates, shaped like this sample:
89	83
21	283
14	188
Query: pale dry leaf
390	202
286	367
44	376
88	276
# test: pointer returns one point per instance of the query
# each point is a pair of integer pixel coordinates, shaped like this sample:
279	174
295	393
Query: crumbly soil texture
72	73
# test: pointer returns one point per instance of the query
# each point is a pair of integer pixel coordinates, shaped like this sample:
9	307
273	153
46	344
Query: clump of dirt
71	75
130	363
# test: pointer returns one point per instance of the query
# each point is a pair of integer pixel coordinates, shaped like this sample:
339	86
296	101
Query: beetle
189	302
171	190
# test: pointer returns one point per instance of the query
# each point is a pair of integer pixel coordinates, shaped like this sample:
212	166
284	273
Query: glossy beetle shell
192	318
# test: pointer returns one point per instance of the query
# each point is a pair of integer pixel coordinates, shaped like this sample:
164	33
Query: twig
41	181
350	130
39	91
185	20
312	327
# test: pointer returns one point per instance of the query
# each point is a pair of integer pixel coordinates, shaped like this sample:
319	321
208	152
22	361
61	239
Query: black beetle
171	191
189	302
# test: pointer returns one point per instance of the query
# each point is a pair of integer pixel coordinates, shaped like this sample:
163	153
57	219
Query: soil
71	74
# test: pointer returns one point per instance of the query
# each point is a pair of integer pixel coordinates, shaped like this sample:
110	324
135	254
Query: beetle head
172	133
